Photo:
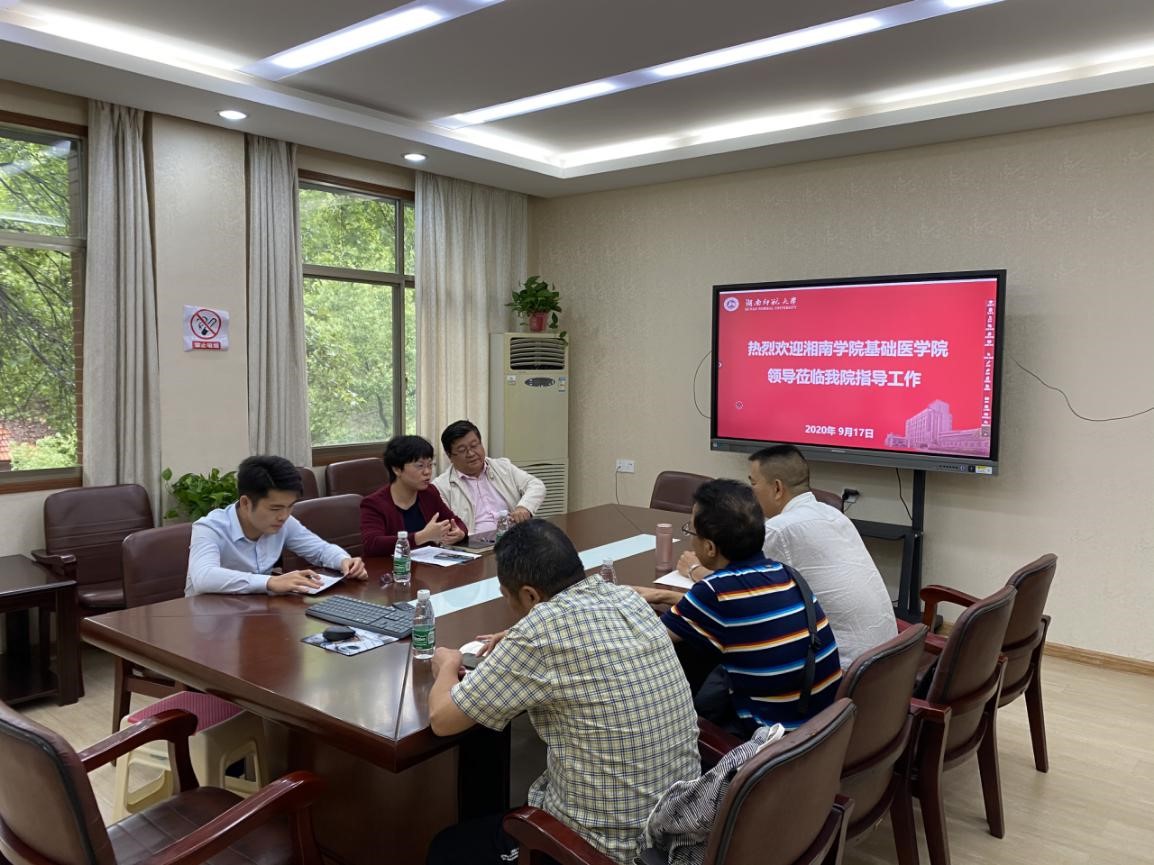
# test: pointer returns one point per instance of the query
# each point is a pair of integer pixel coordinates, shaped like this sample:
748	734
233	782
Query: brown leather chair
355	476
308	483
828	498
673	491
337	519
50	817
83	530
791	786
155	563
958	716
1024	644
876	773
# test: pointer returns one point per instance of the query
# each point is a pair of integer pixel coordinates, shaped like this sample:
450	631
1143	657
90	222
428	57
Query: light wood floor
1094	807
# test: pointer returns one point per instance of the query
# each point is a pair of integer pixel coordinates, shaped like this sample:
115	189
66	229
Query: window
360	322
41	284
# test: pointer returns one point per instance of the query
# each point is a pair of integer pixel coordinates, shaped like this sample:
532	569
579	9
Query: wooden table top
247	648
20	574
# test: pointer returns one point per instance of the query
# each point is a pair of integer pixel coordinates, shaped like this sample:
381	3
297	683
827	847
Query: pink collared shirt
487	502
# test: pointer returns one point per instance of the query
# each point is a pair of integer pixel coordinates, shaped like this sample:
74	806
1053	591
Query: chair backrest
789	786
310	490
880	682
828	498
155	564
1025	629
48	813
355	476
673	491
337	519
91	522
968	666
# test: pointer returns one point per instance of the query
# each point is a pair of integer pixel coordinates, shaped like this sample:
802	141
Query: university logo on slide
731	304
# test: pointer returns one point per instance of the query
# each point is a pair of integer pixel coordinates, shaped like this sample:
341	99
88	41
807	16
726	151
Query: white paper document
441	557
675	580
617	550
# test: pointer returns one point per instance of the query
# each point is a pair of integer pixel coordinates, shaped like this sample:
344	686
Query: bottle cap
422	594
402	534
608	562
665	527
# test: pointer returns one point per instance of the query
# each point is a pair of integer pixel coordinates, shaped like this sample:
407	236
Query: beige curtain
278	404
121	416
472	251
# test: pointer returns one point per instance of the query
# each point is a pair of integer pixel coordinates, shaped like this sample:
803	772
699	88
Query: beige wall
1069	212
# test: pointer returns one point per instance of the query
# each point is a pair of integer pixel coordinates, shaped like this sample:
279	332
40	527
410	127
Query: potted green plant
536	300
196	495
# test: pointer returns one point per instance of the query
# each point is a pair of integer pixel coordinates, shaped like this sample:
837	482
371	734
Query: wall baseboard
1100	659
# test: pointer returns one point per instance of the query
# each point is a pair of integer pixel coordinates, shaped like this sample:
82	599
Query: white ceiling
1011	65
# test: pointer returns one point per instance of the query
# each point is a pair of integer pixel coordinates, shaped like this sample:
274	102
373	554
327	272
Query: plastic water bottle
502	525
402	561
424	627
607	573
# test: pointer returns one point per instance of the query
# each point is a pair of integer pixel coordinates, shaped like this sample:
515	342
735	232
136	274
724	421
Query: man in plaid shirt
601	682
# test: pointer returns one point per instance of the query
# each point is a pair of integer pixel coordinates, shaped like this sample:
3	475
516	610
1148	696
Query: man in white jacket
477	488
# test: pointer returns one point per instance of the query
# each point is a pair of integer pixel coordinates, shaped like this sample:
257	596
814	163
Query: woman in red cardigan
408	502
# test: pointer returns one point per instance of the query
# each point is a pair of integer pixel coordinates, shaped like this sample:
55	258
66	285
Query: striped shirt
751	616
602	685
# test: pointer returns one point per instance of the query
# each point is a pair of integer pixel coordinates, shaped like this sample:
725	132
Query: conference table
362	721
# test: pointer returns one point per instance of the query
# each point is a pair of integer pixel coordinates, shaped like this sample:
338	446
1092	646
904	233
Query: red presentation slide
902	366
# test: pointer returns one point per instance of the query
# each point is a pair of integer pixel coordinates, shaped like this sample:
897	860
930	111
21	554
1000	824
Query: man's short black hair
727	513
258	476
402	450
785	463
456	431
536	553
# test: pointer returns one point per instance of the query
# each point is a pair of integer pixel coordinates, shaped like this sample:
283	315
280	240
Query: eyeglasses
688	532
425	465
461	450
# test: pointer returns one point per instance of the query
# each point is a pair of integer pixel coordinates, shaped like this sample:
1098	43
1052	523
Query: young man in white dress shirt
823	544
234	549
477	488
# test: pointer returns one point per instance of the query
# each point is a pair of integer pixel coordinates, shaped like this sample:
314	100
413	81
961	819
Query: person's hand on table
294	582
490	641
453	535
520	514
655	596
689	566
446	659
355	568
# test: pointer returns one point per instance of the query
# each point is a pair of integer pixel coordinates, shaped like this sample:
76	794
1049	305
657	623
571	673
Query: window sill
329	454
40	479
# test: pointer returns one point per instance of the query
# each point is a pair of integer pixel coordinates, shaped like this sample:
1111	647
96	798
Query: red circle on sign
205	323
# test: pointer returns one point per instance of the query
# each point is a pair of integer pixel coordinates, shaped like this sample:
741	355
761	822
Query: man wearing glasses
477	488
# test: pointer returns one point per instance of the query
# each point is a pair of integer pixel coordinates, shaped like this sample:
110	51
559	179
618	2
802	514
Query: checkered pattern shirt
597	673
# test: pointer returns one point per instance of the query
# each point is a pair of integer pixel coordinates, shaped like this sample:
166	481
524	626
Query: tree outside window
360	327
41	277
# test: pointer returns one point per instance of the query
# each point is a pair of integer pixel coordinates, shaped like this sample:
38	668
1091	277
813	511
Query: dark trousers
474	842
712	691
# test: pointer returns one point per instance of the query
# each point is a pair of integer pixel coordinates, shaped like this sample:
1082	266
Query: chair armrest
535	829
934	644
61	564
933	595
929	712
288	795
713	743
174	725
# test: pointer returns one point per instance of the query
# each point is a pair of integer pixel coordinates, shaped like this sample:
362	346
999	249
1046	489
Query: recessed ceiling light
759	49
232	114
415	157
402	21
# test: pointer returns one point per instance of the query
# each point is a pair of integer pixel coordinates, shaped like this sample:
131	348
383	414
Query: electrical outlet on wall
626	467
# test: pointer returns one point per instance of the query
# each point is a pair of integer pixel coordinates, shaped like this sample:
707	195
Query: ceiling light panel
760	49
378	30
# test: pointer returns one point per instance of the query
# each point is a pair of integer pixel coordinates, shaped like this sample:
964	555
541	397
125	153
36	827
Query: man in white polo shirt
823	544
477	488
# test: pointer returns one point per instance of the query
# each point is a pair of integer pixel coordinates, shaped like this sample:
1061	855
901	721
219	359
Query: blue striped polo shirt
750	615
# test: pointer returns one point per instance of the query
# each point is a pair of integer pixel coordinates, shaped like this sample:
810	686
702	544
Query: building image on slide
931	429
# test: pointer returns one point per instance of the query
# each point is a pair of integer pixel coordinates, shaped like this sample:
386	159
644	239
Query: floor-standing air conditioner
529	409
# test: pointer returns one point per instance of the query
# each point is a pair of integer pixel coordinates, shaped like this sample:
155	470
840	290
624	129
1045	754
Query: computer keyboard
391	621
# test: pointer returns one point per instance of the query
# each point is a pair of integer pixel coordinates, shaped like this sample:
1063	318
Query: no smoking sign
205	329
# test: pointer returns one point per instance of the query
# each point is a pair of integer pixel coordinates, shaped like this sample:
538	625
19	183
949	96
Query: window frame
399	282
75	244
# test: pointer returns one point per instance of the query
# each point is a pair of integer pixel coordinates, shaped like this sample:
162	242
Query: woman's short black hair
402	450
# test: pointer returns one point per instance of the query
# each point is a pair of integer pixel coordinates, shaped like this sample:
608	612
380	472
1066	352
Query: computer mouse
336	633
